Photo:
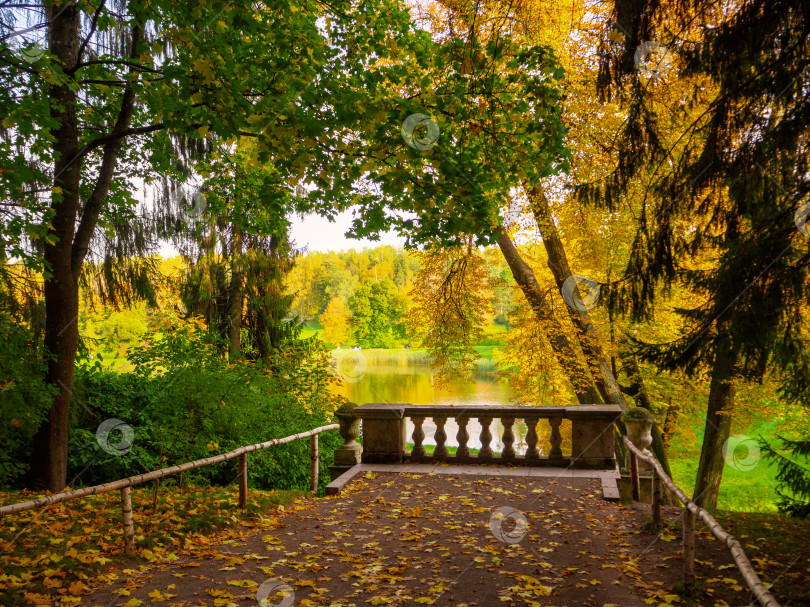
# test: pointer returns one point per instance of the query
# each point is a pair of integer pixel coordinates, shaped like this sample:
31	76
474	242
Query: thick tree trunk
558	263
49	459
577	373
65	256
718	425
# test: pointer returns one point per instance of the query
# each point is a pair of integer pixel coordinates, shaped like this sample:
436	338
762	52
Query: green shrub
25	399
185	402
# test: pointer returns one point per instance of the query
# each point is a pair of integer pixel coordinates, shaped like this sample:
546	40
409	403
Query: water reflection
413	384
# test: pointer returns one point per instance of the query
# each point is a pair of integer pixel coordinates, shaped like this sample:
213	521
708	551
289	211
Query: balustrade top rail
514	411
156	474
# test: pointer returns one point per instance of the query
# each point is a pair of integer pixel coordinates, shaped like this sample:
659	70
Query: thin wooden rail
758	589
125	484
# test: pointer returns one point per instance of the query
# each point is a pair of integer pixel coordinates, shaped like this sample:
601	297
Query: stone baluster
462	436
486	437
418	436
556	437
508	438
440	452
531	440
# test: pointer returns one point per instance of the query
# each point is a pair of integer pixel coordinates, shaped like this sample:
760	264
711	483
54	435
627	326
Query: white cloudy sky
319	234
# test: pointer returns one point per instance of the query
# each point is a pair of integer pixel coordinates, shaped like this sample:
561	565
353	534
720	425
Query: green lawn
430	448
310	329
749	482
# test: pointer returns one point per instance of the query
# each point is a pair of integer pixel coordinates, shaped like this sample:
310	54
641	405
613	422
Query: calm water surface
413	384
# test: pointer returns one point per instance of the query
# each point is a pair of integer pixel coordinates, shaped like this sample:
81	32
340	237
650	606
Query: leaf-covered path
411	539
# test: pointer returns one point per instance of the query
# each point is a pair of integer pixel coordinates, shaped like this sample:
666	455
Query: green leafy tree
267	316
120	330
376	311
123	90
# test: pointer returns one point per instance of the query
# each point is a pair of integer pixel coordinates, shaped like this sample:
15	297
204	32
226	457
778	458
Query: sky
317	233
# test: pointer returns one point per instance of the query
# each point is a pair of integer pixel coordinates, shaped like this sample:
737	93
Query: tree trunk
639	393
577	373
65	255
558	263
61	290
718	425
235	295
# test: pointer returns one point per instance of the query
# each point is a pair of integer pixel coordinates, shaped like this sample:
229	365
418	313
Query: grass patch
310	329
452	450
747	486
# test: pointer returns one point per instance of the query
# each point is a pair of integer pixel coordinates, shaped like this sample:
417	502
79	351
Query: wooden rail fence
758	589
125	485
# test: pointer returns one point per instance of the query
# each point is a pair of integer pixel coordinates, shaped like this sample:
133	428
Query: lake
368	381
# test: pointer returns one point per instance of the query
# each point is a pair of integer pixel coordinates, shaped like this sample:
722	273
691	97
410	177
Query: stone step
609	477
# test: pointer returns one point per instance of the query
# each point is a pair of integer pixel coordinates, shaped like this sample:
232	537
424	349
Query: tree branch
93	26
112	148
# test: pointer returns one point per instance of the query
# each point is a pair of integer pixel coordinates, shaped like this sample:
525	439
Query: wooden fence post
634	476
313	455
688	553
129	525
656	500
242	476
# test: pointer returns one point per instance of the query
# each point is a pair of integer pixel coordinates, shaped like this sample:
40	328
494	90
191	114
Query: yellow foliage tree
451	306
335	321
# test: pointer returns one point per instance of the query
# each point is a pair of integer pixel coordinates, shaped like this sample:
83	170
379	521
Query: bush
185	402
25	399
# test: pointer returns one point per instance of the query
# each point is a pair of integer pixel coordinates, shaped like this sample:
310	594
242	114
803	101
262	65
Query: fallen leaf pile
402	539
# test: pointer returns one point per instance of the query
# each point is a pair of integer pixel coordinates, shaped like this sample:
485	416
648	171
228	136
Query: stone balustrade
385	427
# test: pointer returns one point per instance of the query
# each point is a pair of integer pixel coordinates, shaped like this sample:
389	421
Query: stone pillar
592	435
348	454
383	433
639	423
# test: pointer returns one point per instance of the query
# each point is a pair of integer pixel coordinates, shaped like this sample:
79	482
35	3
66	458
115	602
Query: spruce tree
716	128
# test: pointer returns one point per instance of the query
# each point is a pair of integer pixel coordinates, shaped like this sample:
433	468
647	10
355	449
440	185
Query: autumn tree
335	321
725	211
451	307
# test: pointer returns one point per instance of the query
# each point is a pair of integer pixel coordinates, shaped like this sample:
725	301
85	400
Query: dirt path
414	539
